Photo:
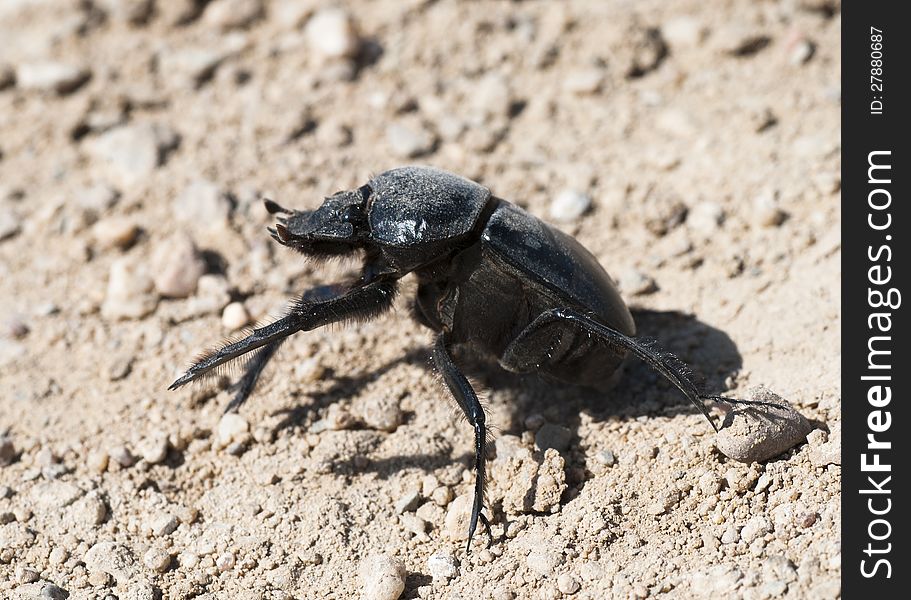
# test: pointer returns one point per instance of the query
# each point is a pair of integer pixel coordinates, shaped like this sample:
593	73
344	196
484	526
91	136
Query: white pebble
235	316
135	151
225	562
756	527
230	14
111	558
157	560
705	217
177	265
567	584
332	33
569	205
115	232
10	223
48	76
232	427
154	449
584	81
383	577
409	141
203	205
129	293
758	433
442	566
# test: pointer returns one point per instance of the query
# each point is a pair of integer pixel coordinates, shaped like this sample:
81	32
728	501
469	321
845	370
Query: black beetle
491	277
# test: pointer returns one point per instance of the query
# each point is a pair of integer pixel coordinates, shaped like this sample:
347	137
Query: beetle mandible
491	278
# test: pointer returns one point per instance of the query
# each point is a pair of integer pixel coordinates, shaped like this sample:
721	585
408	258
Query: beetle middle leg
468	401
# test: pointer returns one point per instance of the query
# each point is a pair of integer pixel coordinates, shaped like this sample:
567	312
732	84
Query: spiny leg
261	357
361	302
663	363
246	384
471	406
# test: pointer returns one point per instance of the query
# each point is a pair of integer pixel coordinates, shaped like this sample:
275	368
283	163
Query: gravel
442	566
569	205
235	316
409	140
10	223
553	436
48	76
758	433
203	205
383	577
177	265
331	32
130	290
134	151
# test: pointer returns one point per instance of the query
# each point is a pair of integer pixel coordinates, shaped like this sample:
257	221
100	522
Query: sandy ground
136	140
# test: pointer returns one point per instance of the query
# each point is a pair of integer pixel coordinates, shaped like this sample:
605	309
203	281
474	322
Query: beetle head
337	227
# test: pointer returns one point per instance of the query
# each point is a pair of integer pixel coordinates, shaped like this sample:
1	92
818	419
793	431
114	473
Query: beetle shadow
640	391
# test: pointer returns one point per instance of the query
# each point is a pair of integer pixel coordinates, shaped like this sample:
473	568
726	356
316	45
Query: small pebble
53	592
584	81
225	561
381	412
442	495
383	577
567	584
27	575
409	141
177	265
683	32
309	370
134	151
164	525
766	212
90	510
706	217
757	526
414	524
635	283
457	518
408	502
48	76
154	449
118	367
553	436
606	458
7	517
758	433
331	32
235	316
232	427
202	205
58	556
115	232
157	560
97	461
10	223
114	559
233	14
442	566
122	456
129	292
569	205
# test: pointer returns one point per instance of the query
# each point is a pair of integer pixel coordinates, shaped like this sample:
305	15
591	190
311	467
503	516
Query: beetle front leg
468	401
362	302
